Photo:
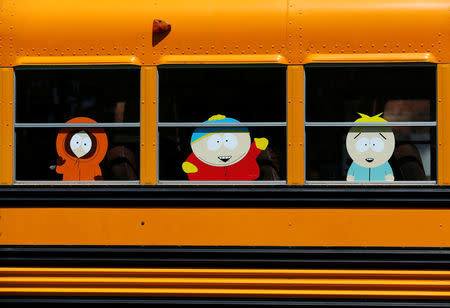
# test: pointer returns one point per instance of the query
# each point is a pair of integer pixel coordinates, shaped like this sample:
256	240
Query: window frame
78	125
201	124
387	124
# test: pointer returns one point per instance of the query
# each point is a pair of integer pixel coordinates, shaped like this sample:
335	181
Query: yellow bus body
292	33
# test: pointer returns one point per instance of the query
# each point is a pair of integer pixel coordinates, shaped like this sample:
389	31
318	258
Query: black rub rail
226	257
222	302
228	196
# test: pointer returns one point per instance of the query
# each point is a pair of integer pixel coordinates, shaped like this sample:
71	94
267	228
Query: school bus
225	152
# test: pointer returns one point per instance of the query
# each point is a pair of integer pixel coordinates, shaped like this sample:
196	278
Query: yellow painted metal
293	29
228	282
79	60
222	59
6	125
371	57
295	126
235	227
149	130
443	130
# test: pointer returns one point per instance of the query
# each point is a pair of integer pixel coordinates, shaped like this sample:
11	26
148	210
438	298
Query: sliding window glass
222	123
370	123
77	124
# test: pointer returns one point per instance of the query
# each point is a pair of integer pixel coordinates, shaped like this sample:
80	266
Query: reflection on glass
37	157
413	158
249	94
57	95
337	94
175	148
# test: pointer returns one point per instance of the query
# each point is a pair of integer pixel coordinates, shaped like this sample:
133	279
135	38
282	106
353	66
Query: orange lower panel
260	227
225	282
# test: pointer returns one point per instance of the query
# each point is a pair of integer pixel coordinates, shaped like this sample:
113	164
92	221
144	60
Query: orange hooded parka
85	168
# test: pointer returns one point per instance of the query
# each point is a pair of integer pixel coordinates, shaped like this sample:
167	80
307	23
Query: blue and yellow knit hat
202	132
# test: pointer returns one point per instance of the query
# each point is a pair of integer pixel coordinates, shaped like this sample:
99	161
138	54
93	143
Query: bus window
222	123
77	124
396	99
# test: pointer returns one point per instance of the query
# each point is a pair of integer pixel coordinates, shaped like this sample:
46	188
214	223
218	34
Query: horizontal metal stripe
231	249
245	263
297	302
227	257
368	65
76	125
62	183
242	196
227	65
376	124
223	182
408	294
78	67
225	283
233	282
370	183
30	274
202	124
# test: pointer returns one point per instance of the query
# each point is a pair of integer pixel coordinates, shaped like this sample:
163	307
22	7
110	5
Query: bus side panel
6	124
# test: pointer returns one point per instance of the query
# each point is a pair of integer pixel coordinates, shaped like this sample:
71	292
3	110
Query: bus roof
215	31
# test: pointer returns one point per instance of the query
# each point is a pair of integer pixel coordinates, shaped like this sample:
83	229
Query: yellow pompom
217	117
261	143
188	167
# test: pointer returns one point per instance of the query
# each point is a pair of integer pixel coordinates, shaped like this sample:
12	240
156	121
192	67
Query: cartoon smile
369	160
224	158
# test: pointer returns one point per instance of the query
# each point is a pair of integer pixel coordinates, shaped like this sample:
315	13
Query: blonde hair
368	119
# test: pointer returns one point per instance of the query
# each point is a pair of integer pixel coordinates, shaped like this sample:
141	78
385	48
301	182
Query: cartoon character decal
80	151
370	148
223	153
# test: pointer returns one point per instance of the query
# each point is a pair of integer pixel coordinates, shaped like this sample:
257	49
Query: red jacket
246	169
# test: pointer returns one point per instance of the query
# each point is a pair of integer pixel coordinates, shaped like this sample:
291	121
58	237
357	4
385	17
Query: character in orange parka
80	151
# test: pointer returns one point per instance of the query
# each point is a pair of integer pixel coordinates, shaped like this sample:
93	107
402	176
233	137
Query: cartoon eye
214	142
362	144
75	142
230	141
377	144
86	144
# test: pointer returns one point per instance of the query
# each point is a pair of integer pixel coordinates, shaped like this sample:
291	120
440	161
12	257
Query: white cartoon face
370	147
80	144
222	149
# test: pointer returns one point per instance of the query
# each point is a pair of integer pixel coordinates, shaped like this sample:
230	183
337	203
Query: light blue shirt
370	174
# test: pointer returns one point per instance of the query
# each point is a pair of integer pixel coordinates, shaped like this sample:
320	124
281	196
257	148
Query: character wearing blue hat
223	153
